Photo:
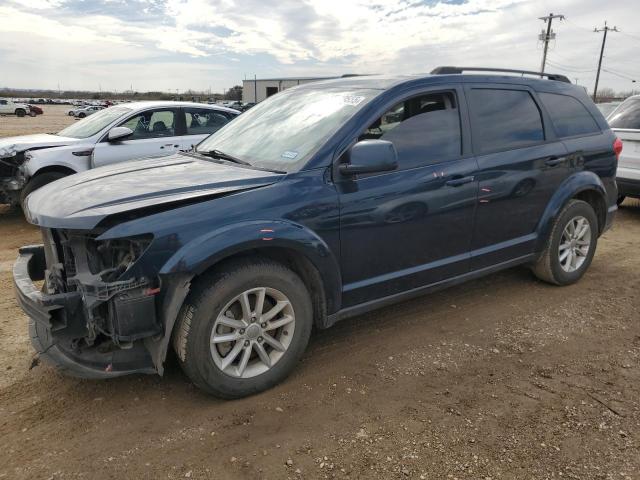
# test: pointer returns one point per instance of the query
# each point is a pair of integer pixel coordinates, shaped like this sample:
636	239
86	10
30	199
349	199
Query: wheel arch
290	244
586	186
54	169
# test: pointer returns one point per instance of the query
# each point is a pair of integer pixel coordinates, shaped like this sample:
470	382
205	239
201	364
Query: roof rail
454	70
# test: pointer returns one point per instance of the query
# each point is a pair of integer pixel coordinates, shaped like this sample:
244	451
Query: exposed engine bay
114	306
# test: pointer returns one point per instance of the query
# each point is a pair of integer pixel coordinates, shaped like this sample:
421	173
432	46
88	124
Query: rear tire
82	115
620	199
570	246
20	112
38	181
214	311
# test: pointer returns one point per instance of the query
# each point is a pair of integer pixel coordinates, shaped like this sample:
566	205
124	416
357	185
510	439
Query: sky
169	45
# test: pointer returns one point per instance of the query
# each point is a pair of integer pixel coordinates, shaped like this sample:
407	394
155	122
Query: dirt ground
501	378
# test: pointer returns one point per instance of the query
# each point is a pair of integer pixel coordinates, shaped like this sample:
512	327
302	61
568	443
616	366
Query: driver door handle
457	182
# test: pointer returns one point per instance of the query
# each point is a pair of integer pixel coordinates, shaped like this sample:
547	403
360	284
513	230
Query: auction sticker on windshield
289	154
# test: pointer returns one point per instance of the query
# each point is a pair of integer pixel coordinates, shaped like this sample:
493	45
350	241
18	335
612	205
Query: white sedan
85	111
114	134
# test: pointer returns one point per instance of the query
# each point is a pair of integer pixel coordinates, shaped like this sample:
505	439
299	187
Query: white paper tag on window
289	154
352	99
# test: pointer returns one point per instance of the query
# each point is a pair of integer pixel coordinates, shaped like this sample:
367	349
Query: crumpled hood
9	146
81	201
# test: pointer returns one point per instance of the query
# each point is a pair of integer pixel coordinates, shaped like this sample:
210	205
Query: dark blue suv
325	201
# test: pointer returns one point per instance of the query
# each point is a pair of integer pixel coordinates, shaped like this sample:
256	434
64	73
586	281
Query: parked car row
325	201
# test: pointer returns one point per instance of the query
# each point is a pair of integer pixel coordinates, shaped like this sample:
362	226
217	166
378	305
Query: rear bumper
50	334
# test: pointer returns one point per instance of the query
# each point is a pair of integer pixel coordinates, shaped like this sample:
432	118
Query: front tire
244	329
570	246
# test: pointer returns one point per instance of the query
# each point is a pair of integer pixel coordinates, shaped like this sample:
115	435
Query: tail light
617	148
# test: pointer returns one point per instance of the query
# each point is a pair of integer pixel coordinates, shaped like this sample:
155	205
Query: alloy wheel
574	244
252	332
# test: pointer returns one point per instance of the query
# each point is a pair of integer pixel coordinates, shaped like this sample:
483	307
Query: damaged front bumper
59	324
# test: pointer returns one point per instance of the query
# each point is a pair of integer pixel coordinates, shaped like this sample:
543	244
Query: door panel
155	133
405	229
514	190
106	153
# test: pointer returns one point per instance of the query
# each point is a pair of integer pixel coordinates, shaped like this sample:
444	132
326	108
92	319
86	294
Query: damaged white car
115	134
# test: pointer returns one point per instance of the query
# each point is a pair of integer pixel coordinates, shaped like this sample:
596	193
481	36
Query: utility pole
549	35
604	40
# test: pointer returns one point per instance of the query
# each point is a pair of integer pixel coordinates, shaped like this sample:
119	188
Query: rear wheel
620	199
82	115
571	245
243	330
38	181
20	112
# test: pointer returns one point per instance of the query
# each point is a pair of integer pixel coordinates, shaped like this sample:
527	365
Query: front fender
572	186
205	251
198	255
56	157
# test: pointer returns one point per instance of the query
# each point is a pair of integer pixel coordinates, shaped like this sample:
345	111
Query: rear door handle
457	182
553	161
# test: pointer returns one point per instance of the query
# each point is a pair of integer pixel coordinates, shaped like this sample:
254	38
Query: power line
619	75
605	29
578	26
570	68
545	37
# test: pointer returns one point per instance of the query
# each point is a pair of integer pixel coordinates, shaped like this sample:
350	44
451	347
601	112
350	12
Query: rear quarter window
568	115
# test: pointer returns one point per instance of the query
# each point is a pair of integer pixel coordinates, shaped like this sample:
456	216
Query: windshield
91	125
626	115
282	132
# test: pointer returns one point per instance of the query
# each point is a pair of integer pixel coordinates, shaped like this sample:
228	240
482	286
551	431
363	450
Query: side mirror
370	156
119	133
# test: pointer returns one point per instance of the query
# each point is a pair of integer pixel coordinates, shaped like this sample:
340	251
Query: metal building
257	90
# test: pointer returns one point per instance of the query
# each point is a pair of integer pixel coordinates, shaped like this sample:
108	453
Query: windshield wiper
223	156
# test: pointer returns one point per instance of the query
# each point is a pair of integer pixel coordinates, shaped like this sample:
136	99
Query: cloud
216	42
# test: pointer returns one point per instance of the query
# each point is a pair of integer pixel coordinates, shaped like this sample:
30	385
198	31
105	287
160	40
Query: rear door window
568	115
627	115
504	119
205	121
